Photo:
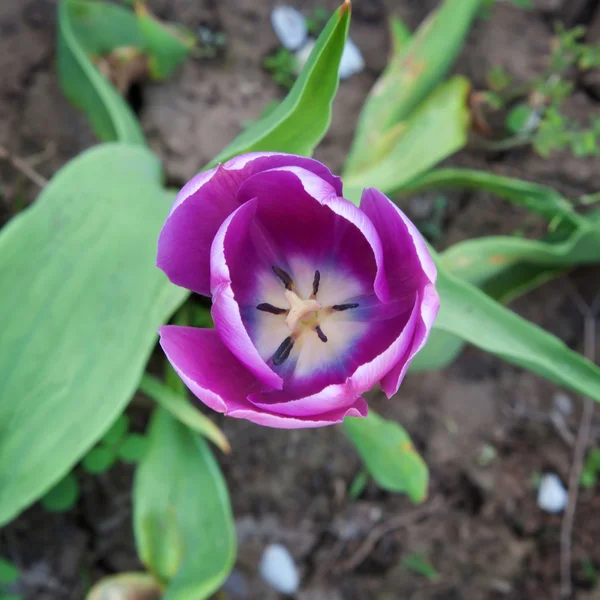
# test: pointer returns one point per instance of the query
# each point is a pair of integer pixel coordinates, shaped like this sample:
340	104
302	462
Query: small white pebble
563	403
290	26
352	60
552	495
278	569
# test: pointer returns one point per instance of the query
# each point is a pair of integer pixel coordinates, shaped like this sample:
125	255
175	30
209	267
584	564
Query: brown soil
484	533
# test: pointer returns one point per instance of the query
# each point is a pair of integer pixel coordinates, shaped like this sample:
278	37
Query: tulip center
304	316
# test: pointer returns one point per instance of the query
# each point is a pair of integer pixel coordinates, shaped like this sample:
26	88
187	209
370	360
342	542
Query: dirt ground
480	528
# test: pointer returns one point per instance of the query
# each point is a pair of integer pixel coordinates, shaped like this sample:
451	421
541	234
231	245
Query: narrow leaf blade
180	495
476	318
412	74
81	82
299	123
388	454
437	129
179	406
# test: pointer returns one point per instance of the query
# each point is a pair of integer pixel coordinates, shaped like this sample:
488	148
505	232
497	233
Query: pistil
299	309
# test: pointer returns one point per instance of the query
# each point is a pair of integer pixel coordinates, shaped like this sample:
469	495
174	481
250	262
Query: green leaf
388	454
498	79
99	460
117	431
525	4
400	34
8	572
82	28
441	350
101	27
179	406
358	485
81	319
506	267
63	496
480	260
409	78
299	123
416	563
537	198
591	468
183	524
126	586
134	448
478	319
167	45
435	130
518	118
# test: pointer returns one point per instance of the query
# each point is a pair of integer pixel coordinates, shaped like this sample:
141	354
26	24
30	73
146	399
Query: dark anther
316	282
285	278
265	307
340	307
320	333
283	352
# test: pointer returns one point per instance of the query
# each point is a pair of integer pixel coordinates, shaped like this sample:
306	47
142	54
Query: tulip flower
314	299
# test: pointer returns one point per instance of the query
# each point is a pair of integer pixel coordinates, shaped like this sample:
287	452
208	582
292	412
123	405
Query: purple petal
358	409
219	380
225	309
204	203
399	238
429	306
333	238
416	271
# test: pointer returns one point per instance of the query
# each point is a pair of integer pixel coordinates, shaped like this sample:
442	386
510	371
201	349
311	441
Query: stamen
285	278
340	307
320	333
316	282
283	352
266	307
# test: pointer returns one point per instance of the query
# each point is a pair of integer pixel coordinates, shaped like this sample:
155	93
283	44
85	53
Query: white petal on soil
278	569
290	26
352	60
552	495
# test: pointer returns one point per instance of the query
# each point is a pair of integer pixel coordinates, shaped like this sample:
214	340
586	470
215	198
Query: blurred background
488	431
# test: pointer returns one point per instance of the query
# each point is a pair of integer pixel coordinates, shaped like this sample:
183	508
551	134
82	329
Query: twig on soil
24	167
371	540
589	313
520	411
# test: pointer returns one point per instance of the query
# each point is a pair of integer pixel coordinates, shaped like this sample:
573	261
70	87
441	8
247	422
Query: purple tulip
314	300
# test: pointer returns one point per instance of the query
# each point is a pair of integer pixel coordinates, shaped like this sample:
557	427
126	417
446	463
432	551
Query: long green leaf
299	123
438	128
482	259
83	300
506	268
167	45
411	75
183	524
471	315
388	454
179	406
535	197
82	83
